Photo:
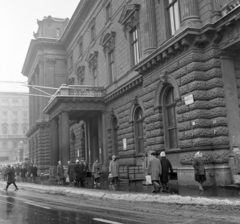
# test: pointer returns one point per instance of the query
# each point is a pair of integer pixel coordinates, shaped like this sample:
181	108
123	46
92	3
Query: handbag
148	180
109	175
67	179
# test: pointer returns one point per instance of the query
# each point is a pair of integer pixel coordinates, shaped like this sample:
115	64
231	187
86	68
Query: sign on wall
124	144
188	99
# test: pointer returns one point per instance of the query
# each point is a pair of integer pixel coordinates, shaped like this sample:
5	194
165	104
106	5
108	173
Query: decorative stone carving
217	157
163	77
129	17
92	59
108	42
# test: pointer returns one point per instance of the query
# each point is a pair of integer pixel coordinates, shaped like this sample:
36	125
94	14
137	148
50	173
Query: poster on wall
188	99
124	144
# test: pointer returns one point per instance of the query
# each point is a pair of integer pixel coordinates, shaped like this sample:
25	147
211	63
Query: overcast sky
18	22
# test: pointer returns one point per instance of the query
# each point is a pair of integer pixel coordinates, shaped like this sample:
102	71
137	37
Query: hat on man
162	154
154	153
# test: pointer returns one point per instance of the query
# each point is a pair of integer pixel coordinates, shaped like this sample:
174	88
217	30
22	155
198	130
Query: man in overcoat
113	169
96	170
79	169
166	166
155	170
10	173
71	173
60	173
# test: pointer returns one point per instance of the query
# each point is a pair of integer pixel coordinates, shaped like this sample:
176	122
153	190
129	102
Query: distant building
139	76
14	122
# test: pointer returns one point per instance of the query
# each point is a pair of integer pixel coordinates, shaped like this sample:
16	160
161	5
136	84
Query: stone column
100	140
60	137
31	109
231	98
36	100
54	147
104	141
150	33
189	13
41	83
65	138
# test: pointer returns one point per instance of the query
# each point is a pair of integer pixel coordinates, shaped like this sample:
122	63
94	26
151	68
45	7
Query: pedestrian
17	171
10	173
85	171
199	170
166	166
71	173
155	170
96	169
34	173
79	169
29	172
60	173
113	170
23	173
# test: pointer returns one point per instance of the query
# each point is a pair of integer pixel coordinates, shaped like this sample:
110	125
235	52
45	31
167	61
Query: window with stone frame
14	115
4	115
24	113
4	144
93	32
80	75
129	19
115	135
80	46
108	43
170	122
138	129
93	64
134	43
15	129
15	145
173	15
71	61
24	128
108	11
4	129
4	102
15	103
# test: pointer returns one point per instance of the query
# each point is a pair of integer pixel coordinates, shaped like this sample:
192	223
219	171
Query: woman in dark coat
199	169
60	173
166	165
23	172
34	172
10	173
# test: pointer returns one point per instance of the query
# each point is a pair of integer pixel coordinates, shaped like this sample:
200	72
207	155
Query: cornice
124	89
36	126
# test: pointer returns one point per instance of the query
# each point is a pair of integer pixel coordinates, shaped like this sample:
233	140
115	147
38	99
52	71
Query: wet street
30	207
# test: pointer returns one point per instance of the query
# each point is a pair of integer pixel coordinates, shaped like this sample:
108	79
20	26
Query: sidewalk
124	196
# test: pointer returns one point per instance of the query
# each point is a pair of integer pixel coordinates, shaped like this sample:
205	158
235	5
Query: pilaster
41	83
104	140
65	138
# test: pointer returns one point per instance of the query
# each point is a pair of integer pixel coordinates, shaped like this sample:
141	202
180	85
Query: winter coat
23	172
154	168
34	171
29	170
79	169
198	165
166	165
17	170
71	172
96	169
113	168
60	171
10	173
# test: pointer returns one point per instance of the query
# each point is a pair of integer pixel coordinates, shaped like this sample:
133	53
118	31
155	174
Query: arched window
138	125
115	135
170	123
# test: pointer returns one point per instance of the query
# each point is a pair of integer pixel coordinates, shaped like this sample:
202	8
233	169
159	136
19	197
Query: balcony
12	136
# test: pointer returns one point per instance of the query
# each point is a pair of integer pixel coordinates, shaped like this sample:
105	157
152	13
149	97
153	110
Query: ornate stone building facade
140	76
13	122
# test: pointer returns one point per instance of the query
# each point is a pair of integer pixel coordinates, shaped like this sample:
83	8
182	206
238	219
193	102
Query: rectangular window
14	115
15	103
4	115
81	48
5	144
4	102
174	17
24	115
110	66
134	46
93	32
108	12
71	62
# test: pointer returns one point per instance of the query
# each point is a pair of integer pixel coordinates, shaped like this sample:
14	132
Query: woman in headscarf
198	165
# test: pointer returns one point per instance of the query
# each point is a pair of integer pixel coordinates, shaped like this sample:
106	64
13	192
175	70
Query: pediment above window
92	59
107	41
130	16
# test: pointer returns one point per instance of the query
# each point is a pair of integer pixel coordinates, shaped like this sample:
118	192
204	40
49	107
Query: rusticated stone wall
237	72
201	125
